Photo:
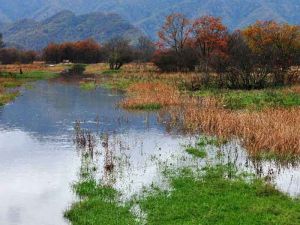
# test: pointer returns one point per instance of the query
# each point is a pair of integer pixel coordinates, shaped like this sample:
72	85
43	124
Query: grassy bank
9	80
213	199
212	196
98	206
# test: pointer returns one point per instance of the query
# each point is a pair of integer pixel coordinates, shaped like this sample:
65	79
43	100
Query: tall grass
151	95
270	130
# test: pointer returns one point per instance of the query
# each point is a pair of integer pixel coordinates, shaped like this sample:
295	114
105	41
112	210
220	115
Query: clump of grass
98	205
7	97
213	198
118	84
110	72
199	150
87	86
146	107
196	151
150	96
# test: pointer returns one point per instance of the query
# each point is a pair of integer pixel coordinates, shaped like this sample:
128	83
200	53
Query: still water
39	159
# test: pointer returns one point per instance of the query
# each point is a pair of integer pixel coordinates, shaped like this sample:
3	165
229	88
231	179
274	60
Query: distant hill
66	26
149	14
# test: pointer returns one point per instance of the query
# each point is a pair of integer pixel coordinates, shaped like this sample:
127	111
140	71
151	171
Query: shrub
77	69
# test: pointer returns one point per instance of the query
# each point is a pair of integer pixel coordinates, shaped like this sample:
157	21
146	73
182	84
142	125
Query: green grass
88	86
32	75
7	97
197	152
199	149
255	99
98	206
212	199
146	107
118	84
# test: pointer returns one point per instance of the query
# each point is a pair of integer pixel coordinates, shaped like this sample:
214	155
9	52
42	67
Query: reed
151	95
271	130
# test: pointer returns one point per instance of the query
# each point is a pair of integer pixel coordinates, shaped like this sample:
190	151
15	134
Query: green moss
98	206
214	199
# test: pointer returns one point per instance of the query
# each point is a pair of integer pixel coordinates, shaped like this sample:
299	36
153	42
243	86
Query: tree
175	33
85	51
145	49
174	37
277	46
2	45
209	37
118	52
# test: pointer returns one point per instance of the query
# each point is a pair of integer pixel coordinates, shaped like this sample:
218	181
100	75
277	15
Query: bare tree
118	52
145	49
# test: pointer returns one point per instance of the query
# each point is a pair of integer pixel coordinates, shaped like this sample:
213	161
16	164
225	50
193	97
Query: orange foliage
209	35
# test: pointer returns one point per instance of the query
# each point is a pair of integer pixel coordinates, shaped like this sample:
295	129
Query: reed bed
275	131
151	95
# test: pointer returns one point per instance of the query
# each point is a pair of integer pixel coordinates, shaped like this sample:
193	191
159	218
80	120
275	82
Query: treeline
13	55
260	55
116	52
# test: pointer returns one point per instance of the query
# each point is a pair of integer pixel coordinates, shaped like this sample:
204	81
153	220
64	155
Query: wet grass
98	205
213	199
199	150
196	151
210	196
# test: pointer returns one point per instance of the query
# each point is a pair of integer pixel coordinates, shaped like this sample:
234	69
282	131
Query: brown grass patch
271	130
155	94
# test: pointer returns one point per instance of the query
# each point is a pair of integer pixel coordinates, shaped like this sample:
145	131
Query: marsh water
39	159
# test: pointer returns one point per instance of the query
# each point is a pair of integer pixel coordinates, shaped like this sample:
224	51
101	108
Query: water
40	160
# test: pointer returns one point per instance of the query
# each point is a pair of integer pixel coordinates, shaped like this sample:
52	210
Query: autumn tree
13	55
276	45
209	38
52	53
118	52
174	45
85	51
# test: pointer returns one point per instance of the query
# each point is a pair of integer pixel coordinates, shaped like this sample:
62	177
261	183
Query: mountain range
148	15
66	26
